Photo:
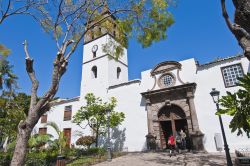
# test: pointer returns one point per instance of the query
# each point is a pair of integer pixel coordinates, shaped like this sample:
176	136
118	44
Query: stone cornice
190	87
99	57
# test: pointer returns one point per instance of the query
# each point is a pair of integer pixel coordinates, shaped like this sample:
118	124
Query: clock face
94	48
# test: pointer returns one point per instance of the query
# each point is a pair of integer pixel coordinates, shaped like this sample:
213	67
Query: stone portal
171	109
171	119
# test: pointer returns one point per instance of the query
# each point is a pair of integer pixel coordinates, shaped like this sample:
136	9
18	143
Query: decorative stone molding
163	75
167	102
165	67
178	76
181	96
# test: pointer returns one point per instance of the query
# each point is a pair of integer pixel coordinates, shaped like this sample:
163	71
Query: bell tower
99	69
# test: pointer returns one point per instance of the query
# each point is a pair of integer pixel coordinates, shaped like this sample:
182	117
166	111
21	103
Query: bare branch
32	76
234	28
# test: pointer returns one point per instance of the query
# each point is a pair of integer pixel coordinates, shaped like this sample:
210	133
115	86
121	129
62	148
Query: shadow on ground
187	159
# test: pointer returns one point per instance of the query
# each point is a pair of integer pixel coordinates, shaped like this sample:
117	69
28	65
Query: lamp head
215	95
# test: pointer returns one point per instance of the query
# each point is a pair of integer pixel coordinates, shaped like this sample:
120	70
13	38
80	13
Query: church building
170	97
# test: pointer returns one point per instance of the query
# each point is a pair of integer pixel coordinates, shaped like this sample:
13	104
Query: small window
231	74
118	72
67	113
44	119
92	35
94	72
167	80
42	131
100	30
94	54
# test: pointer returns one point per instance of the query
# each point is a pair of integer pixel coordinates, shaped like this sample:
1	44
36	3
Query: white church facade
167	98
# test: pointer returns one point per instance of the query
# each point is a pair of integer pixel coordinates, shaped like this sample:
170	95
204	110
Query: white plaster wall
131	103
87	49
188	70
56	115
186	74
95	85
112	75
147	82
206	79
106	68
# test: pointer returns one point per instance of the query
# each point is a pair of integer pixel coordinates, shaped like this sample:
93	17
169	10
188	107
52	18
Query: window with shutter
44	119
67	113
42	130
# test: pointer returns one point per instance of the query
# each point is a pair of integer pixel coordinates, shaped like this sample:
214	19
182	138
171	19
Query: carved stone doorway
171	119
175	106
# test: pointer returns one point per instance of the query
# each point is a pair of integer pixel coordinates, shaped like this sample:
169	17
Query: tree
8	80
62	140
13	110
95	114
11	8
68	22
16	7
241	27
237	105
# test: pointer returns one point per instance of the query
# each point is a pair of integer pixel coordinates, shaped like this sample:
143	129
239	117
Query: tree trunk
21	144
241	27
242	18
96	138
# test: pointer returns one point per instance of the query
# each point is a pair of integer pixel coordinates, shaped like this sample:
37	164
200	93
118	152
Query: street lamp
108	140
216	95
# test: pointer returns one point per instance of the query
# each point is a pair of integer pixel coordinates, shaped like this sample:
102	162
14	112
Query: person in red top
171	143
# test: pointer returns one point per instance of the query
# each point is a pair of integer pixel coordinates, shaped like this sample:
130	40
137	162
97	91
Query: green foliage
34	158
7	78
96	151
61	142
147	21
85	141
237	105
4	51
95	113
41	158
5	158
38	140
13	110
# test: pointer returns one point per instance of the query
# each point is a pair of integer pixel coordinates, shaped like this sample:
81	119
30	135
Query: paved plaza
163	158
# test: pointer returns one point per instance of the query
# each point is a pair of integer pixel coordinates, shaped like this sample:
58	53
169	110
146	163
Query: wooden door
67	134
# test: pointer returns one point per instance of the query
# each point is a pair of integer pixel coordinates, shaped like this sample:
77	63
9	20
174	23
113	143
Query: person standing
183	139
171	143
178	141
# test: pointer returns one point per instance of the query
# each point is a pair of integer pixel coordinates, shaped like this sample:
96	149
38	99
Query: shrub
91	152
69	152
85	141
5	158
41	158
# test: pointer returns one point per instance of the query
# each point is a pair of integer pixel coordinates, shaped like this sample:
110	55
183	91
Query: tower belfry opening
106	26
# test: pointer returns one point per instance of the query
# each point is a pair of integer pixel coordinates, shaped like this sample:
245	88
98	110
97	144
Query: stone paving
163	158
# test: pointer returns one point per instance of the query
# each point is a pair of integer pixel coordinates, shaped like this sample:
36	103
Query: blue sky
199	32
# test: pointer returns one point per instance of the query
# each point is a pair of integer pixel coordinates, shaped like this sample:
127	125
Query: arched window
118	72
94	72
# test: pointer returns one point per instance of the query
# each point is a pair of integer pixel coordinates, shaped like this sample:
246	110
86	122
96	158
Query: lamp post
216	95
108	140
